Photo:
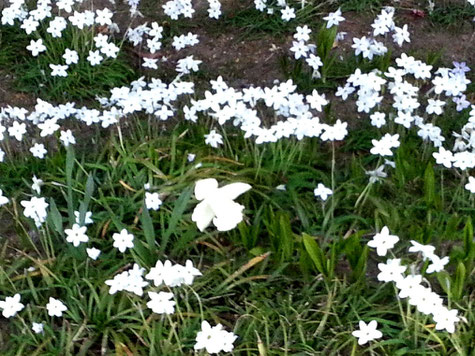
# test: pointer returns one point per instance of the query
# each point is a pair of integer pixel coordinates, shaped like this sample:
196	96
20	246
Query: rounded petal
204	187
233	190
228	215
202	215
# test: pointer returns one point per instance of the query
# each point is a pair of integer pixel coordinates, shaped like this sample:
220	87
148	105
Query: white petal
202	215
233	190
204	187
228	215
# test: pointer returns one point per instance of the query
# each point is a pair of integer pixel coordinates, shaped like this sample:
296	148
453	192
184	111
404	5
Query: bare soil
256	62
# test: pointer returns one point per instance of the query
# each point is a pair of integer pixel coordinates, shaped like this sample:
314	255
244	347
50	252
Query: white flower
152	201
161	303
76	235
408	285
383	241
401	35
58	70
437	264
150	63
67	138
217	204
288	13
189	272
470	186
70	56
444	157
377	174
316	100
36	47
123	240
35	209
322	191
17	130
11	306
426	250
214	339
87	218
55	307
104	17
93	253
367	332
391	271
334	18
3	200
303	33
37	327
131	281
110	50
94	58
213	139
446	319
38	150
36	186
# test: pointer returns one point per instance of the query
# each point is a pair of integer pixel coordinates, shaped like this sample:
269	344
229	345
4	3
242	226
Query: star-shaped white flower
55	307
367	332
383	241
11	306
76	235
123	240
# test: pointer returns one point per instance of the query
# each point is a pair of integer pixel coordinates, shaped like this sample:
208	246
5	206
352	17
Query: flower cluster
31	22
214	339
12	305
413	286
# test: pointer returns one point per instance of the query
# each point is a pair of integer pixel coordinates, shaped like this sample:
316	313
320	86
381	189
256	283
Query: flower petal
202	215
204	187
233	190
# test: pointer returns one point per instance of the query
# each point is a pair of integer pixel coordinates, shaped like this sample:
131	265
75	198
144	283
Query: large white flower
217	204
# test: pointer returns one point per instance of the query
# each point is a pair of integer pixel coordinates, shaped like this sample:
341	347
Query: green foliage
361	5
452	14
84	82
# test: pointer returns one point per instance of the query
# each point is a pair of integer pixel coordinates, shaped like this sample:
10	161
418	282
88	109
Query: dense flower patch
407	96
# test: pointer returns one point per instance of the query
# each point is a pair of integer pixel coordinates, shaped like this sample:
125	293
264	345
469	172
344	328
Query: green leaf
55	217
315	253
457	287
177	214
445	282
69	182
429	185
286	236
87	198
147	226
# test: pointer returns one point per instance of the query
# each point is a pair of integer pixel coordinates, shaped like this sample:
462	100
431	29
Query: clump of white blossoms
217	204
35	209
413	286
214	339
168	274
173	275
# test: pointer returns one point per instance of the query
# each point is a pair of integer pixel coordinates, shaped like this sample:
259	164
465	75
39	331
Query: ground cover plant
152	205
